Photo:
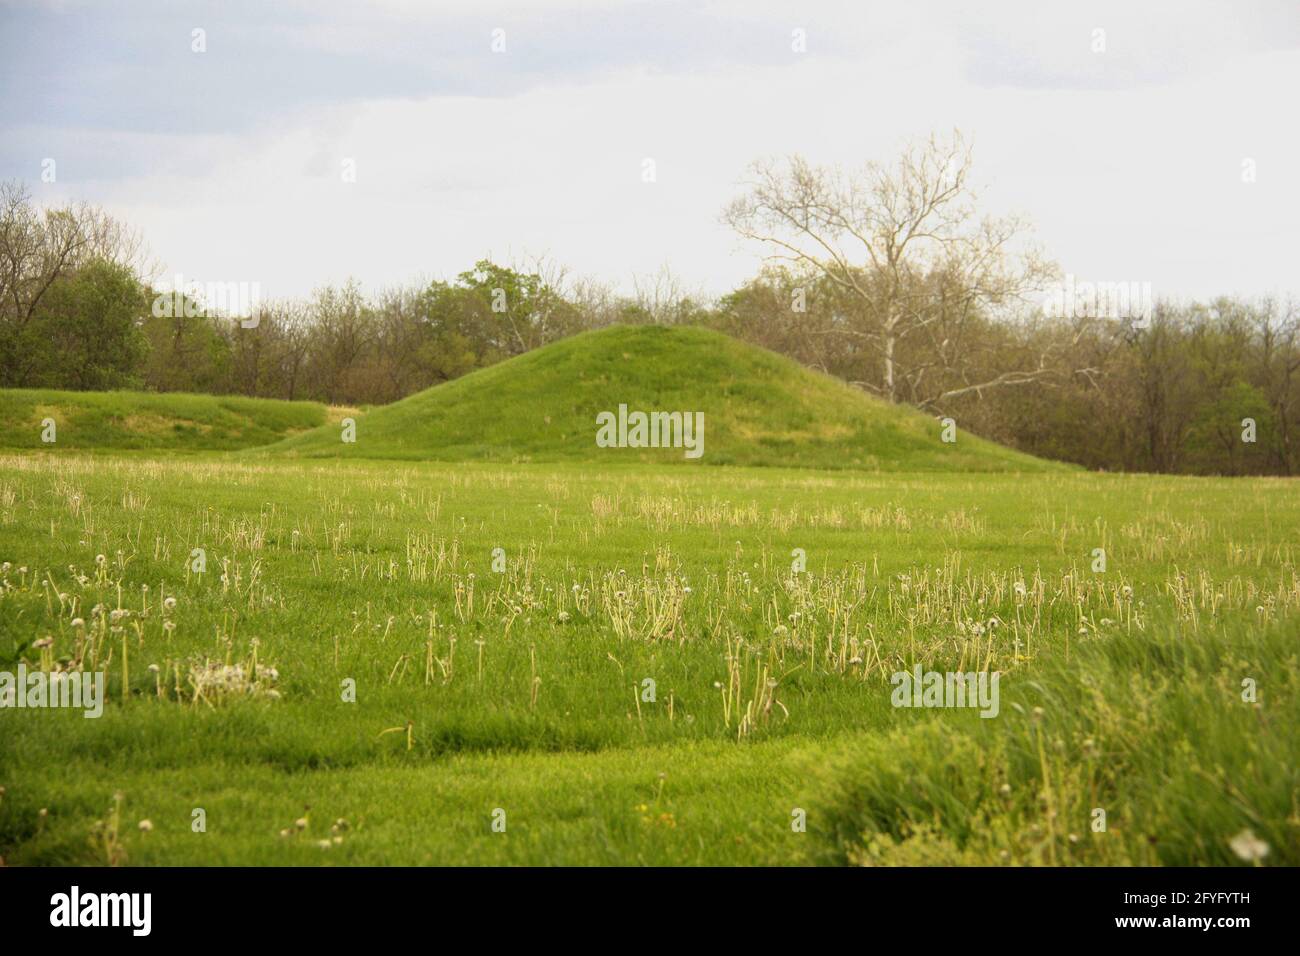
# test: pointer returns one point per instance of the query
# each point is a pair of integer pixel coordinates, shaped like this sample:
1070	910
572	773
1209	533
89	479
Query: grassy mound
147	420
759	409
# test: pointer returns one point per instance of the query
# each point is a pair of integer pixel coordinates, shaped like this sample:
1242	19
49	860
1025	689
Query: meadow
359	676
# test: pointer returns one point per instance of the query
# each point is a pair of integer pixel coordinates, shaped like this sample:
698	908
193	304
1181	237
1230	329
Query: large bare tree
917	269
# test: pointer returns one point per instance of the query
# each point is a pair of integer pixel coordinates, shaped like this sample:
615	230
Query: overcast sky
230	161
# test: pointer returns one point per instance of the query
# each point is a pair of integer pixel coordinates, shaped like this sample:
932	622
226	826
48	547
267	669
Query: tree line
887	278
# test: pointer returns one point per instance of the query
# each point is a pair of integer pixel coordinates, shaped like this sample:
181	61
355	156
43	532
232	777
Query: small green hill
149	420
759	409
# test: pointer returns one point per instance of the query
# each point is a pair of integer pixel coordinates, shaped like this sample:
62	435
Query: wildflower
43	643
78	622
564	617
1249	847
146	826
170	604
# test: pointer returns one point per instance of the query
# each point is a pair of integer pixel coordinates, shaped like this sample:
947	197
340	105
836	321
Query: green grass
478	690
144	420
759	409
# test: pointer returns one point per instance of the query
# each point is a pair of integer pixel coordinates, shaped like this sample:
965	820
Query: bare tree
914	264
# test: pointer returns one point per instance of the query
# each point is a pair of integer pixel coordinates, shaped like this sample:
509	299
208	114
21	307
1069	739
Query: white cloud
1135	175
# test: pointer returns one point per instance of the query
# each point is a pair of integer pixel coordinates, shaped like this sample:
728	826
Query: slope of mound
149	420
759	408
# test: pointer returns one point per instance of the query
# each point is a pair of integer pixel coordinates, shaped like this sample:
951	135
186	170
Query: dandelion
146	826
43	643
1249	847
564	617
169	604
78	622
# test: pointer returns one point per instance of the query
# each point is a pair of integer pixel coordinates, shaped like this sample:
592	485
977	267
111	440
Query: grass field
523	691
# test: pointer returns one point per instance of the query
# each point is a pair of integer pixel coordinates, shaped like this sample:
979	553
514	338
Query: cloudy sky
231	160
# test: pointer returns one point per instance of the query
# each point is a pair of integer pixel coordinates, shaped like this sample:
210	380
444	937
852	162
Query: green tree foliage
89	331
